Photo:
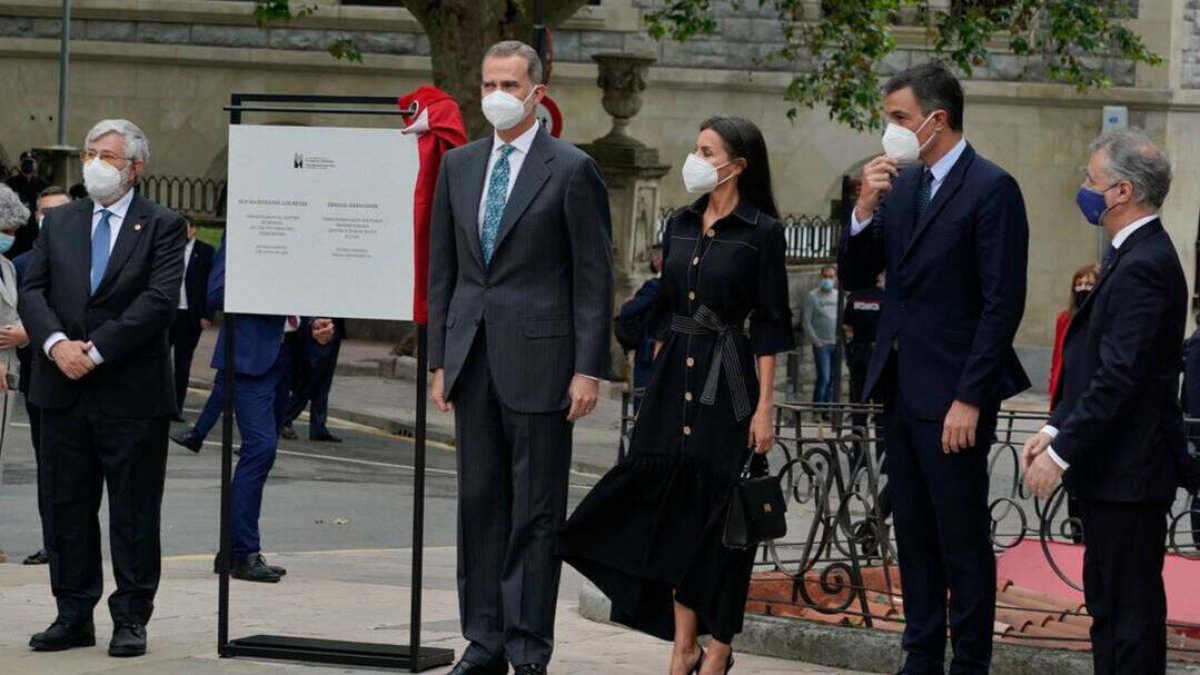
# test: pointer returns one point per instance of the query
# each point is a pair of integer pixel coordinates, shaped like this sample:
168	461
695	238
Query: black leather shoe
189	439
39	558
325	438
129	639
289	433
530	669
465	667
255	568
281	571
64	635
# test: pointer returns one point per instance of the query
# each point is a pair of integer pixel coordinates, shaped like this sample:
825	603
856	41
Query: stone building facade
170	65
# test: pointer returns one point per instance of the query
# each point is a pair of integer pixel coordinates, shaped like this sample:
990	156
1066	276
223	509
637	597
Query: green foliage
837	54
266	11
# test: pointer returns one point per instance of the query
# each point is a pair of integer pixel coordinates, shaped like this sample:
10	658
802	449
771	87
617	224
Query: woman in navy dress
649	534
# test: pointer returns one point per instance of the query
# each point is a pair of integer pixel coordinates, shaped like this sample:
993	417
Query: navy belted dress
650	530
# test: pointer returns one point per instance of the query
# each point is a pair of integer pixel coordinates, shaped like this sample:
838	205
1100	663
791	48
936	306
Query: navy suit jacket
955	289
257	336
1118	415
195	281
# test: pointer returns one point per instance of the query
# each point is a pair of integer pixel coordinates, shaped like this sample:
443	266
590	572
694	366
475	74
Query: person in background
26	182
313	391
13	215
860	321
1190	400
193	316
1082	283
50	198
633	326
820	322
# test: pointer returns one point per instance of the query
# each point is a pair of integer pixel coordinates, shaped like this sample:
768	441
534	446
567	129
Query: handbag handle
748	469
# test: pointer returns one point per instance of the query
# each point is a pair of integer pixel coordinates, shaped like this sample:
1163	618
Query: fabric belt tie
725	358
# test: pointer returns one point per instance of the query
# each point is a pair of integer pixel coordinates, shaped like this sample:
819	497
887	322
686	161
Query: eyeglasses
105	156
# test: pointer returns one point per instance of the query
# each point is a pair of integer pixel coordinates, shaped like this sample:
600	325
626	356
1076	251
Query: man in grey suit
520	307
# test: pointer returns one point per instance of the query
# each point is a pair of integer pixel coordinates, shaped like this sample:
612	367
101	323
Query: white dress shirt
187	259
940	170
1119	239
516	159
116	218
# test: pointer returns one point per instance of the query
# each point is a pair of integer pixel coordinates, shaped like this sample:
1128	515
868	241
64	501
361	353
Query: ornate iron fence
199	199
810	239
829	462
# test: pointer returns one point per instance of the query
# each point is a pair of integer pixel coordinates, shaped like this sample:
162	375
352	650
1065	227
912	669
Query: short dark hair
52	191
934	87
518	48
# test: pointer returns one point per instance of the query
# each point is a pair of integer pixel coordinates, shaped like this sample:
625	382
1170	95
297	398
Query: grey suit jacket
546	298
8	311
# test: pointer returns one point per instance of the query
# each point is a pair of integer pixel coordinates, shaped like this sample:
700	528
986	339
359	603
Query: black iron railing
199	199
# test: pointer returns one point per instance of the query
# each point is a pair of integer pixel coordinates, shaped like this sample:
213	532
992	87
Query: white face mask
700	177
505	111
902	144
104	181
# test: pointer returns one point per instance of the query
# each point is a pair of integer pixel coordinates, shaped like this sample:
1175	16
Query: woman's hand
762	430
3	377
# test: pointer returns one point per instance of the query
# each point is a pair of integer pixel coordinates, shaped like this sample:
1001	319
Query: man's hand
71	357
877	179
585	392
205	324
1041	477
762	431
958	431
1034	446
322	330
437	391
12	336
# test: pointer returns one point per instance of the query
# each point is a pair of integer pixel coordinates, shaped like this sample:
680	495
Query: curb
873	651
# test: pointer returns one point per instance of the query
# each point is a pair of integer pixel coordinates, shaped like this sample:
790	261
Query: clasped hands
1042	473
72	358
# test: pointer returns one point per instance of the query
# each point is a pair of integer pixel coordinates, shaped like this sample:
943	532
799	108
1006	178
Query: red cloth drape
439	125
1060	334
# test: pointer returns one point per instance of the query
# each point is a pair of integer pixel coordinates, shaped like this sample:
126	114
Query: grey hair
518	48
13	213
1132	156
136	145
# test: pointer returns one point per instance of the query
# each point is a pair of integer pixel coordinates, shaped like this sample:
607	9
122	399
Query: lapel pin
137	227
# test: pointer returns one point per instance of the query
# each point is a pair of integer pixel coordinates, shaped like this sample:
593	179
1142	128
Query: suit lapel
476	172
79	237
530	180
1143	232
127	239
944	194
8	289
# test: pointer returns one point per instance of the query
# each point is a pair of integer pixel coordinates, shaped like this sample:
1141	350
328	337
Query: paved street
338	516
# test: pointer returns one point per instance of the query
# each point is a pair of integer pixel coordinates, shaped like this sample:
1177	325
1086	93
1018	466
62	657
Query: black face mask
1080	297
27	166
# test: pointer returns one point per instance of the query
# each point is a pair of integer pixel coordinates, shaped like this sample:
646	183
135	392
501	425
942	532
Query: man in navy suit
1117	435
949	228
261	381
193	315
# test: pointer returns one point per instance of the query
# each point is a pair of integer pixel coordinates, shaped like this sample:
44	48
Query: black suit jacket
127	319
1118	415
546	298
955	290
195	281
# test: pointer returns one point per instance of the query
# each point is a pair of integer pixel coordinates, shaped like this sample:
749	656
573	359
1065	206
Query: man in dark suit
313	391
51	197
949	227
520	309
262	377
1117	431
193	315
98	297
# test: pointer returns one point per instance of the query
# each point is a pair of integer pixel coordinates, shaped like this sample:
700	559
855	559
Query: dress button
691	295
691	363
710	234
687	431
688	397
696	260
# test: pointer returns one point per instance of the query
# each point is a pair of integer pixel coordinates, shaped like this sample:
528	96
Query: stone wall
1190	61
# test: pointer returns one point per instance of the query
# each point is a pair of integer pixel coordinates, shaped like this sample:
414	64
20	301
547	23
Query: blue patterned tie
493	212
100	249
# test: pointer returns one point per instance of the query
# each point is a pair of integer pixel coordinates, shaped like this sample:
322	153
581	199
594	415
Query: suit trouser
35	435
214	406
258	403
85	450
313	392
513	470
943	537
1122	583
184	336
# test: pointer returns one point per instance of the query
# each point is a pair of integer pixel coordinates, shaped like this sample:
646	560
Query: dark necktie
924	193
1109	259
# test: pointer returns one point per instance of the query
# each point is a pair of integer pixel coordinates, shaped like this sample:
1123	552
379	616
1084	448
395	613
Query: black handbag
757	509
